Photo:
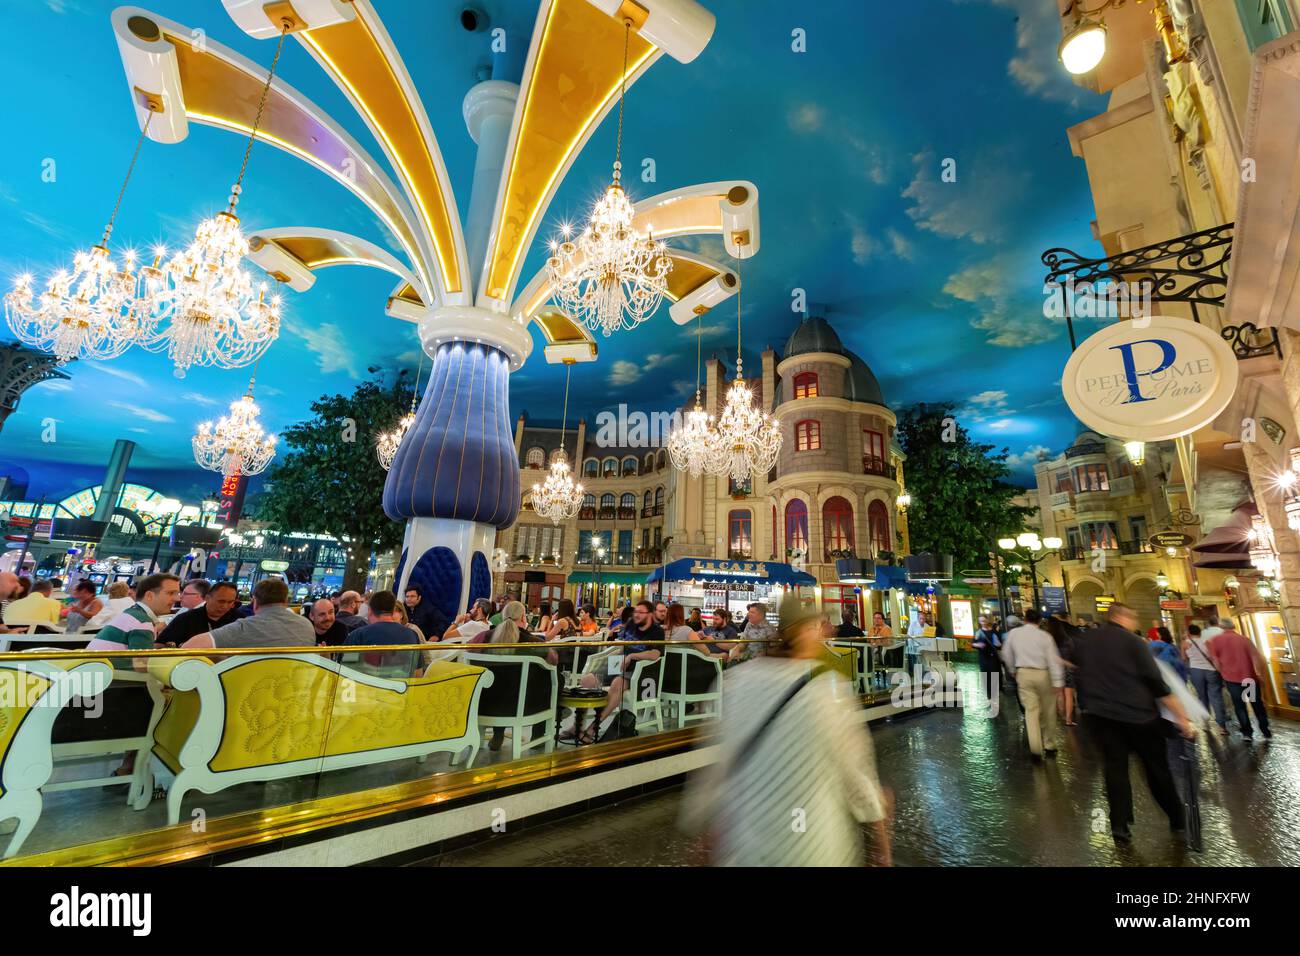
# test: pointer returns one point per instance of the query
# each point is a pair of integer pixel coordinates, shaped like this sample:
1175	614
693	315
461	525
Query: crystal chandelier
90	312
215	317
236	445
747	439
559	497
611	277
691	446
388	442
1263	555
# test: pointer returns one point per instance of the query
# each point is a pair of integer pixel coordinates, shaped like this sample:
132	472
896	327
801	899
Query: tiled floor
967	795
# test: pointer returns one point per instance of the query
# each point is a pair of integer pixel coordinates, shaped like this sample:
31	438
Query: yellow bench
265	717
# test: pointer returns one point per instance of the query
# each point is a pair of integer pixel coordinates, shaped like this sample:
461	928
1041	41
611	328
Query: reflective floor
967	795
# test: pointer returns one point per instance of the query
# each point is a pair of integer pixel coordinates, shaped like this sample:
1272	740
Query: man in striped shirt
136	628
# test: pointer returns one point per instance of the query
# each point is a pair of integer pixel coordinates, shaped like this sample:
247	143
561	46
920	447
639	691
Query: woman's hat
795	612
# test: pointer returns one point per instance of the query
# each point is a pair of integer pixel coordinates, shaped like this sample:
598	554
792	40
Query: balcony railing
626	514
649	555
875	465
1121	485
1136	547
1086	448
587	514
607	514
629	470
739	554
653	511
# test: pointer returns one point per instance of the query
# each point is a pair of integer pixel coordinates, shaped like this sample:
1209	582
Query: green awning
607	577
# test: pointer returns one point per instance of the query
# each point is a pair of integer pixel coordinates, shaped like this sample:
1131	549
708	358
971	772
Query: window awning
732	572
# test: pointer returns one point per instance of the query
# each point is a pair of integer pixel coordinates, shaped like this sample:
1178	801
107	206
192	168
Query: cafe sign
1150	379
752	568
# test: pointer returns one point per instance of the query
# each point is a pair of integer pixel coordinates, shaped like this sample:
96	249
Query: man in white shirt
469	625
1030	653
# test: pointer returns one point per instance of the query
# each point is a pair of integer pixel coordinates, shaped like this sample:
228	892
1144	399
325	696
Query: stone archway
1083	599
1142	595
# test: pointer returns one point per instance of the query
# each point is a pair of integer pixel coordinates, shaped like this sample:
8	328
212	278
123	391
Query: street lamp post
163	510
597	557
1032	550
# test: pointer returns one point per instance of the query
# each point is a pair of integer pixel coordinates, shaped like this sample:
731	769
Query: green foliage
961	501
327	478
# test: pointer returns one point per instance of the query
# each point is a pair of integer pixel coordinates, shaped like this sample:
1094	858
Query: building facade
1196	149
832	492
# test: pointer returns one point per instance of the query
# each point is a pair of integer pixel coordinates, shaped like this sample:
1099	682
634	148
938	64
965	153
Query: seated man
217	610
193	594
37	608
644	628
272	624
385	628
470	625
137	627
349	605
757	628
722	633
329	632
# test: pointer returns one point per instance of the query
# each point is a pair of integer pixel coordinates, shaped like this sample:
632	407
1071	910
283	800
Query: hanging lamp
691	446
610	277
215	316
388	443
559	497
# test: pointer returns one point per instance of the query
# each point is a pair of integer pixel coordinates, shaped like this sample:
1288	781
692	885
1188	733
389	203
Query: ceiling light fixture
90	312
237	444
611	277
691	446
559	497
388	443
215	316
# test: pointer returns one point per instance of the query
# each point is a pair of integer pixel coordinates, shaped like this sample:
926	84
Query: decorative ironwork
1192	269
1086	448
20	369
1250	341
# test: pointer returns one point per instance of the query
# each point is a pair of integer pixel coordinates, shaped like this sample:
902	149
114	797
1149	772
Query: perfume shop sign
1150	379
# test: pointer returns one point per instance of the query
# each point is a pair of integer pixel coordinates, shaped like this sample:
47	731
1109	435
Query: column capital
487	99
472	324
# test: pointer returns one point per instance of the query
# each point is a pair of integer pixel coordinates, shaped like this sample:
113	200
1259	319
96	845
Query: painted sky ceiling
936	284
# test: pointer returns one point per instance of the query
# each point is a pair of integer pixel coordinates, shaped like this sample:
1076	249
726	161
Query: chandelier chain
108	228
564	420
622	94
257	121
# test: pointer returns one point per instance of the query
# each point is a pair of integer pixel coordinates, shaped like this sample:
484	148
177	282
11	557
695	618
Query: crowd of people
1139	693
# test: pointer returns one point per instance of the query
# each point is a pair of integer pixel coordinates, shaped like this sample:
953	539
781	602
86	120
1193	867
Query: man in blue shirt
385	628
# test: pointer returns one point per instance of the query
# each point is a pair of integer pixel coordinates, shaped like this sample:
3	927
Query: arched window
629	466
659	497
589	503
556	455
649	464
536	457
837	525
741	535
609	467
590	468
878	526
628	501
647	500
774	545
796	524
807	435
606	500
805	385
662	458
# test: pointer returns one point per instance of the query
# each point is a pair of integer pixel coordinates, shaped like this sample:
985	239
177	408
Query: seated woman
676	629
587	623
513	629
564	623
619	622
86	606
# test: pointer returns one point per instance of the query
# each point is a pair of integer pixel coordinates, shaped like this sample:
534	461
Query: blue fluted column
455	478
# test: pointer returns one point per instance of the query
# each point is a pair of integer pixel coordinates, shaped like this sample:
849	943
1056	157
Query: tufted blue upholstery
458	460
438	575
397	576
480	578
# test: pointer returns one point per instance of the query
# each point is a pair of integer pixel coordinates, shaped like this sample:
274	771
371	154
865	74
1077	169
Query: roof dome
814	334
860	383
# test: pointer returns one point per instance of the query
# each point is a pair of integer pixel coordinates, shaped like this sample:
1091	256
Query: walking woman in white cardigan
795	776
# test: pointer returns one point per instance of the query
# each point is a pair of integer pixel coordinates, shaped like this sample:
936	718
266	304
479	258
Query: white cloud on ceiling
1027	458
139	411
987	285
1035	66
624	372
117	372
972	206
333	350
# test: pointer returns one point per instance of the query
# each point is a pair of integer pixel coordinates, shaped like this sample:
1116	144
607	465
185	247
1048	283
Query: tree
331	482
961	502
